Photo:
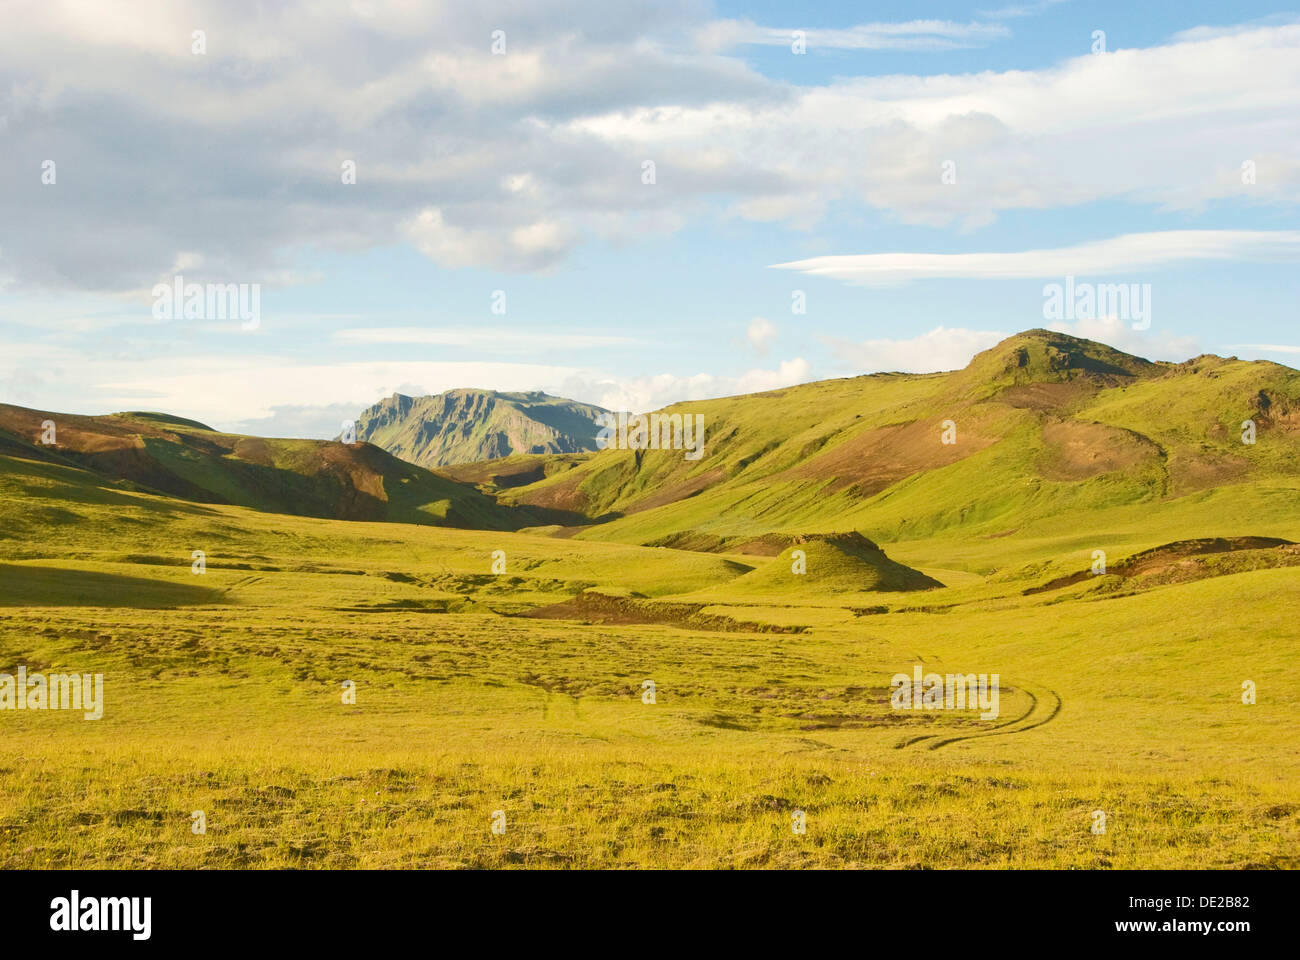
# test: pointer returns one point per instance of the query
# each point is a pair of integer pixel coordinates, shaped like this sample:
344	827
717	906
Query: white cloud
761	333
512	162
222	391
787	373
1117	255
951	348
1152	344
271	396
943	348
913	35
322	422
531	246
1165	125
1265	347
496	338
643	394
1016	11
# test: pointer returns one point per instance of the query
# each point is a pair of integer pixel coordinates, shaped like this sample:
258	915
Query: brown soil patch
601	608
1187	474
879	458
687	488
562	495
255	450
1079	451
1048	396
1186	560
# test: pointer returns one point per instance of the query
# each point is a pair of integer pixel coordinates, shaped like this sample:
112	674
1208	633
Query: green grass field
224	693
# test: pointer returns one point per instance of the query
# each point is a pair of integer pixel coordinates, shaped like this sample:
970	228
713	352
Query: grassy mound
832	563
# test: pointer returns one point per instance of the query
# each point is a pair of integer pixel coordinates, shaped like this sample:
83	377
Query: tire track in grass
244	582
1051	702
1033	705
1043	709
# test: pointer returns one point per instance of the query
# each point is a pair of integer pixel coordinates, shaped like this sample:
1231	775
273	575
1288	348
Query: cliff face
463	426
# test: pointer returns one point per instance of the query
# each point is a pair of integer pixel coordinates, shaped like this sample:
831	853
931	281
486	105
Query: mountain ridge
467	425
1042	424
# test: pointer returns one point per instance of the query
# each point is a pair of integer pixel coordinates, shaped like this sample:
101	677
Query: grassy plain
224	694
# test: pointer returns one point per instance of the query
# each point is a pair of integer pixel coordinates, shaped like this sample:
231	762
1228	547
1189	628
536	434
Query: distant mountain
1043	430
465	426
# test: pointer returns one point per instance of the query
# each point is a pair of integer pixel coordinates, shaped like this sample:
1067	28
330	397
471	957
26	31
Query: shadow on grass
32	586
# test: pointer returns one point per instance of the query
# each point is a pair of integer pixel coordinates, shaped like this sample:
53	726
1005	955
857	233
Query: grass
1035	446
224	694
481	688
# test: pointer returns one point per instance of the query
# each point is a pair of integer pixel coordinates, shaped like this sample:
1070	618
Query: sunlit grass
224	694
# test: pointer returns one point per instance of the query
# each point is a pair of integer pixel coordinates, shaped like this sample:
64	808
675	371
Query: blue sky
522	172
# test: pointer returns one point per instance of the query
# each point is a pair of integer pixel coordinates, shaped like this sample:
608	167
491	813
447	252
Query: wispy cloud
1203	33
1015	11
1152	344
516	162
642	394
1117	255
912	35
1265	347
222	391
500	339
943	348
951	348
761	333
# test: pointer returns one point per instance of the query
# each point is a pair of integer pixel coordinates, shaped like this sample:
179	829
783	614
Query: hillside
1042	424
672	700
465	426
1045	428
181	458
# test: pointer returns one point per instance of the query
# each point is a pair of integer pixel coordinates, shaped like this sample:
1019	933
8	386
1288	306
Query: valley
825	542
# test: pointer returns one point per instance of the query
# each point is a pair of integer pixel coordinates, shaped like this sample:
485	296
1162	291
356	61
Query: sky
626	204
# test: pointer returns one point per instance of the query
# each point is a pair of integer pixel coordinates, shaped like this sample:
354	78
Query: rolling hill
160	454
651	676
1042	425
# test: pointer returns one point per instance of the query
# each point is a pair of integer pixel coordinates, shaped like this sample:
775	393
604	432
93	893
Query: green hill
181	458
1098	537
826	564
1043	425
1045	429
